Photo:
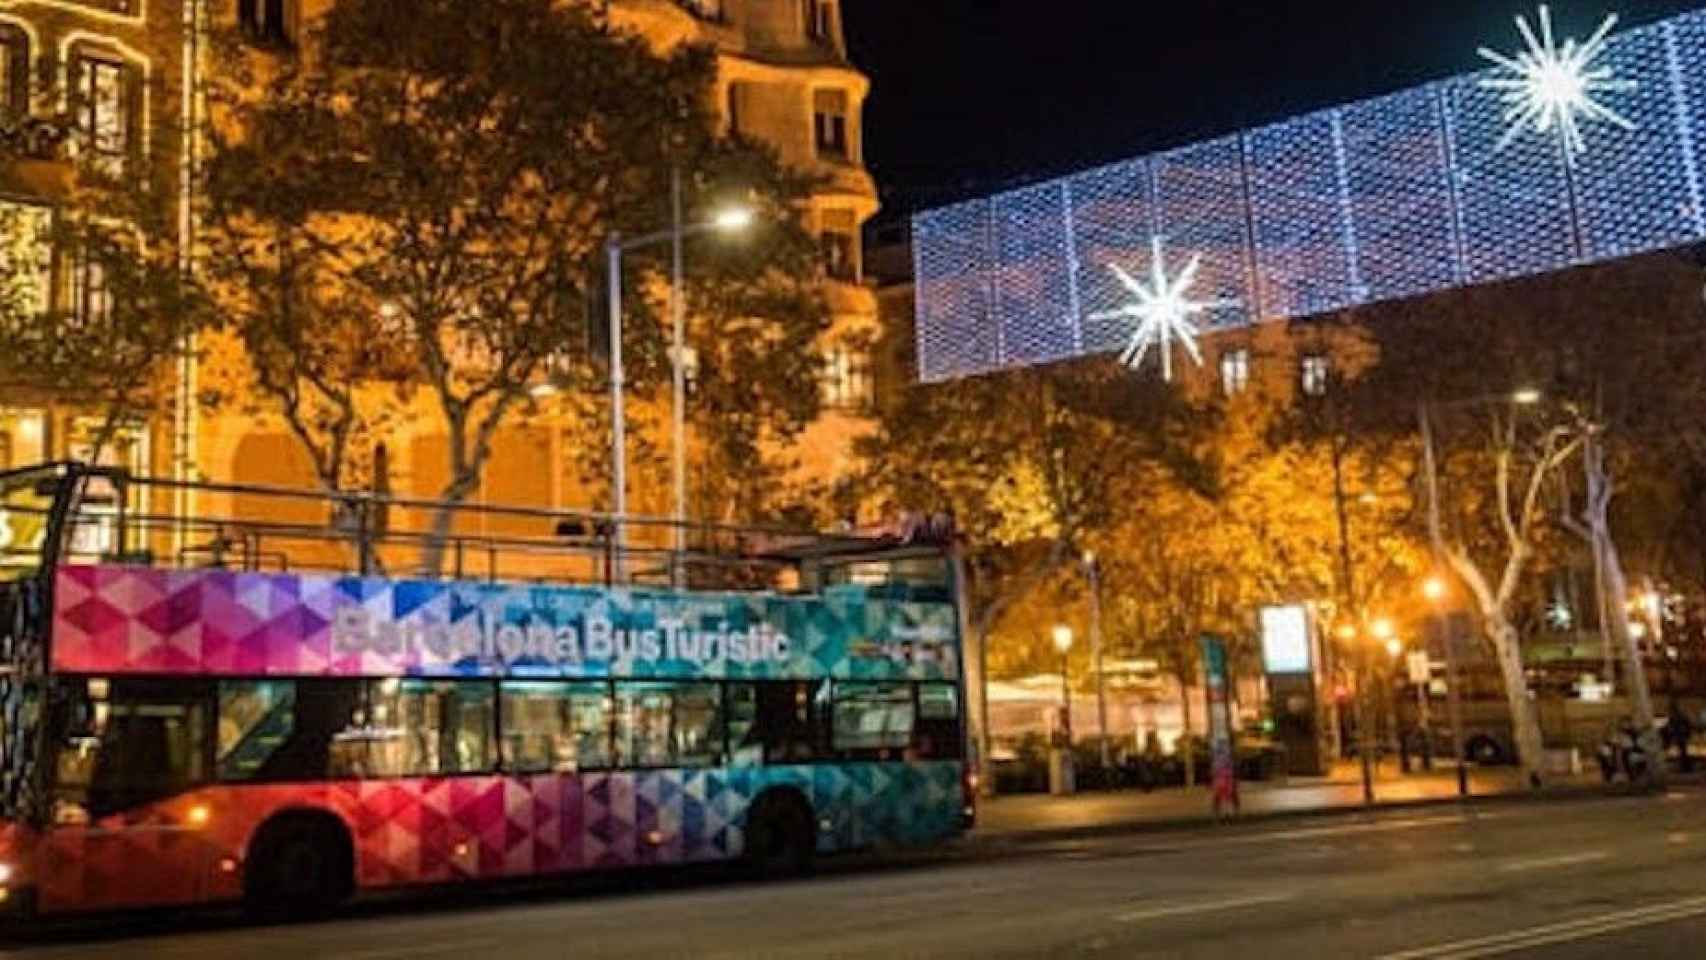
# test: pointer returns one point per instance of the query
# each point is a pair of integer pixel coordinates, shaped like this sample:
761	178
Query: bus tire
298	865
781	836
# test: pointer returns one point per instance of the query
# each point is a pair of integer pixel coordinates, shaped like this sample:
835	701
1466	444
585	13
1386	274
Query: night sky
971	96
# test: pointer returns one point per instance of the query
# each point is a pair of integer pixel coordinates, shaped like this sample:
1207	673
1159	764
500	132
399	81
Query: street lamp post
1063	643
1435	590
728	221
1060	766
1348	635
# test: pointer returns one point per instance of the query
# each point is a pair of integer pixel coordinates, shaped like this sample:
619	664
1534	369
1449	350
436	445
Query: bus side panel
442	830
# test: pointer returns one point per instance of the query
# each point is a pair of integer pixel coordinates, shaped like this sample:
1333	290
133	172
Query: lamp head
1062	638
732	219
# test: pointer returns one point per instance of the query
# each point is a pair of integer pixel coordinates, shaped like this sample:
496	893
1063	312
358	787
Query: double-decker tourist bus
218	693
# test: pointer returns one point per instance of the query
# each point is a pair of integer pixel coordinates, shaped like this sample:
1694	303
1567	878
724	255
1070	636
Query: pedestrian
1678	731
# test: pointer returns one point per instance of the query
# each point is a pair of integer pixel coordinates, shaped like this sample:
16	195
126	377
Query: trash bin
1060	776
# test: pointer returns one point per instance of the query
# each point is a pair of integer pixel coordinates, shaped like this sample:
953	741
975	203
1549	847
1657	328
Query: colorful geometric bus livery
117	619
226	629
439	830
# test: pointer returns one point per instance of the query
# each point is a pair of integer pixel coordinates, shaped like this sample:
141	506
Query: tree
1488	459
454	171
130	308
1034	465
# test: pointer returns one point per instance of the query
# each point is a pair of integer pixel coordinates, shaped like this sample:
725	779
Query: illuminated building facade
783	79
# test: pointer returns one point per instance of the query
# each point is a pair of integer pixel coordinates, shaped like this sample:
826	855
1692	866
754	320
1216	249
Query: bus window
938	734
556	727
256	718
873	720
775	722
404	728
668	725
123	743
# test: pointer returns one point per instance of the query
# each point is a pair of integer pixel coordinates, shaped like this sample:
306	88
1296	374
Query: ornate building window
1315	371
267	22
26	258
733	108
820	20
91	294
14	68
1234	371
846	379
838	237
104	97
829	116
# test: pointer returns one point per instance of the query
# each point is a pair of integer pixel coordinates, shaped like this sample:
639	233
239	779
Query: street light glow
1346	632
1382	629
1527	397
732	219
1062	638
1433	588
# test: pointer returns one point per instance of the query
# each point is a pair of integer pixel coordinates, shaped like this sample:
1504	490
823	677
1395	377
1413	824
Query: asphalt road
1600	878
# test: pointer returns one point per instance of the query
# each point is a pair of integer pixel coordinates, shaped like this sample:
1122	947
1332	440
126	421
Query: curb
1026	837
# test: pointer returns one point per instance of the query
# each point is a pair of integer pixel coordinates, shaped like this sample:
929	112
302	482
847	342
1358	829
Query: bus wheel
780	839
299	865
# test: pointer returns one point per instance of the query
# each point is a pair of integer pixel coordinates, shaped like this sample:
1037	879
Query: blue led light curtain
1386	198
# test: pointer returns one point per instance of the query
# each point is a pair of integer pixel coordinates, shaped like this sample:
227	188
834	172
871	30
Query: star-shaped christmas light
1549	86
1163	310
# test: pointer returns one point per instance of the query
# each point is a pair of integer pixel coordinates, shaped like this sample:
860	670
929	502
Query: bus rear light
5	873
198	815
461	850
227	865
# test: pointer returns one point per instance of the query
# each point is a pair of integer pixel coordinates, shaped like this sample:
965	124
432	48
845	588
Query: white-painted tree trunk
1614	600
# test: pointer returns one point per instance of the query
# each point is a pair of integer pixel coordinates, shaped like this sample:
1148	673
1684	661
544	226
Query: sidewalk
1039	815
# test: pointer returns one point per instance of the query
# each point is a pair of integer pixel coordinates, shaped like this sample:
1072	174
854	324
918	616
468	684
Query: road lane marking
1583	929
1206	906
1547	863
1383	826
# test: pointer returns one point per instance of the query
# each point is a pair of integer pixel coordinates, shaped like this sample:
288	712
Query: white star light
1163	311
1552	86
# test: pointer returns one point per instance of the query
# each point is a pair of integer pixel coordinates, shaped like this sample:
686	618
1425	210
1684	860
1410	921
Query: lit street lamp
1063	643
1436	591
729	220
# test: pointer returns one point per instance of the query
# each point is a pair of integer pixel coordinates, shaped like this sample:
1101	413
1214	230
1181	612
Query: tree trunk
1525	721
1187	749
1640	696
432	551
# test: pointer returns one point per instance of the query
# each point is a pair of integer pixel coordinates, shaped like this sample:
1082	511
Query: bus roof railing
182	523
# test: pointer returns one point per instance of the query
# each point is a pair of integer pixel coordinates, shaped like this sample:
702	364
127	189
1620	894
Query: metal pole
618	416
1096	655
1365	730
1065	702
1424	719
1454	696
678	361
1454	704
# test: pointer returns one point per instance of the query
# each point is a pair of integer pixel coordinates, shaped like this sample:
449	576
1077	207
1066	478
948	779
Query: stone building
784	79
